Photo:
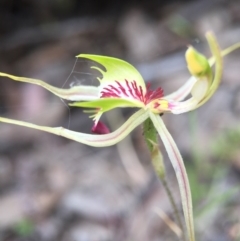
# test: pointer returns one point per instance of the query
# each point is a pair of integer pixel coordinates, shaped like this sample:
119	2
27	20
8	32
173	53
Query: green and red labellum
130	90
122	94
121	85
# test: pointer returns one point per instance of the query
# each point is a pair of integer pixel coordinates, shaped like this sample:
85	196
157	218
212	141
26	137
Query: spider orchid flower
121	86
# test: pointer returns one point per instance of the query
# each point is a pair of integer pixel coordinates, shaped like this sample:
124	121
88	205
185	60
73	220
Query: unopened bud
197	63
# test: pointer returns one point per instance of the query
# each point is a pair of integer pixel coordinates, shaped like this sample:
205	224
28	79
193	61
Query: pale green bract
121	86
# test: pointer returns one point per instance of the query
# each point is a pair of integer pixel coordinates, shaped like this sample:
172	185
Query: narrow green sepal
106	104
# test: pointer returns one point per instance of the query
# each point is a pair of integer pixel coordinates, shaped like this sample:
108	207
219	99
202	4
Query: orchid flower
121	86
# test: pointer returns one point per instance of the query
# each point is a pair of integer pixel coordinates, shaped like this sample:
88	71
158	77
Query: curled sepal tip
75	93
216	52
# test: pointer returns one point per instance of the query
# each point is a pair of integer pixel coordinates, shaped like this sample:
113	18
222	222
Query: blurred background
52	188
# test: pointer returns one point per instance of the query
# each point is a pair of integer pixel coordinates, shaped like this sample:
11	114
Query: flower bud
197	63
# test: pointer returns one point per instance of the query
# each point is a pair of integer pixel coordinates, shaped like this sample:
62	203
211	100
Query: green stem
151	138
174	206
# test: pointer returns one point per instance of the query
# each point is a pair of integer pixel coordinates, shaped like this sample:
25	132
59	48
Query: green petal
116	69
107	104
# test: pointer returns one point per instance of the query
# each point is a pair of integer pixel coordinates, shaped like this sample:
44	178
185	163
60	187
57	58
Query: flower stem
151	138
174	206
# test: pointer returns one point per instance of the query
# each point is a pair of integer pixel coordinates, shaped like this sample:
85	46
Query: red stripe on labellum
129	88
114	88
122	88
132	90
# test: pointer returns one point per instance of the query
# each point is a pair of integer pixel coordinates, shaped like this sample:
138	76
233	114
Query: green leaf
217	201
24	228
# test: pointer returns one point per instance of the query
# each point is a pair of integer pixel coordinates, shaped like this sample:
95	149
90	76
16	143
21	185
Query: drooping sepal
181	174
76	93
89	139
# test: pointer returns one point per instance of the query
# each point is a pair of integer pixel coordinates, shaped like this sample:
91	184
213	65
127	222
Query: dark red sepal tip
100	128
